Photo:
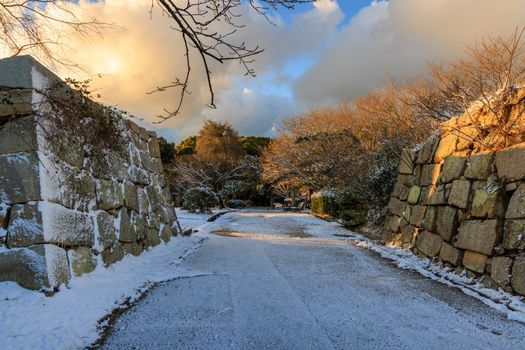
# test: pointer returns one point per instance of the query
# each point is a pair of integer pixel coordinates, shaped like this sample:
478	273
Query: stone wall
462	206
64	213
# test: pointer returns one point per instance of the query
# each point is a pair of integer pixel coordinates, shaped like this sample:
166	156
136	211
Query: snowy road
272	280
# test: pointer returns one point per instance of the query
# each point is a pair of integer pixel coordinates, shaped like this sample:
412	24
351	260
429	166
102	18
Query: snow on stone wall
462	207
64	214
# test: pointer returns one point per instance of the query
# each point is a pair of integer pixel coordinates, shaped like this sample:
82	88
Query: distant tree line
220	161
351	153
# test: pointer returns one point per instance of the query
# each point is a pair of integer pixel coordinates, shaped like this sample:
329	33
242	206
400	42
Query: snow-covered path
272	280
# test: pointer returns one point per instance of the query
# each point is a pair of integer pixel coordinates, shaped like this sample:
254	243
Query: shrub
201	198
236	203
323	202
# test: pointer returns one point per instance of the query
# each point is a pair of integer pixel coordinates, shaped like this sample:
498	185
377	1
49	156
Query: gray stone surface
130	196
429	222
478	236
429	243
518	275
19	177
395	206
479	166
488	202
418	215
516	208
126	234
447	222
509	163
107	233
426	154
500	271
460	194
18	135
17	72
110	194
474	261
450	254
82	260
430	174
25	226
514	234
453	169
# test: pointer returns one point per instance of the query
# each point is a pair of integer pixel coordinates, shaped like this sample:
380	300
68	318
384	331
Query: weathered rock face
478	236
456	201
63	210
429	243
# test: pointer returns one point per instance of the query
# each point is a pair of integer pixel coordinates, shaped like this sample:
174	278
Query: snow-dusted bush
201	198
236	203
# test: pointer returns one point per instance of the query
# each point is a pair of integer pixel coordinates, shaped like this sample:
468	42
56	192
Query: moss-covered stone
82	260
479	166
453	169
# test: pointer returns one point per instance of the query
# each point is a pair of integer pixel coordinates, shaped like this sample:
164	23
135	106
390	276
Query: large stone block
153	147
447	222
426	153
510	163
165	233
437	195
126	234
406	163
82	261
144	202
413	194
516	208
134	248
66	227
450	254
395	206
500	271
107	234
453	169
408	233
488	202
153	237
429	243
138	175
18	135
19	178
459	194
110	194
429	222
430	174
518	275
15	102
25	225
514	234
479	166
130	196
474	261
478	236
112	254
38	267
78	191
139	225
418	215
446	147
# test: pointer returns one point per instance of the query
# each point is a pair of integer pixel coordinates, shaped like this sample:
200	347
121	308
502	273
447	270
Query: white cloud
397	38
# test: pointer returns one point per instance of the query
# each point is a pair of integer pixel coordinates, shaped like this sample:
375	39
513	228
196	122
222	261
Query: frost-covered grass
70	319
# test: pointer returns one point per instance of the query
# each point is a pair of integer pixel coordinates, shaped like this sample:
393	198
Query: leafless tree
30	27
196	21
207	28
